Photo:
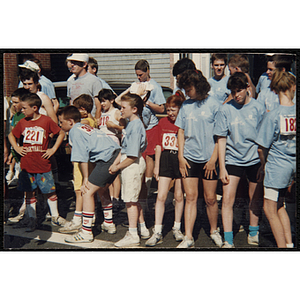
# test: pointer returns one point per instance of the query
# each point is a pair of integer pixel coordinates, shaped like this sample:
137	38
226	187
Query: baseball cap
79	57
31	65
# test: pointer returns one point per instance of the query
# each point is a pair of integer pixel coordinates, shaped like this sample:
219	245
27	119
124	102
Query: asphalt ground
47	237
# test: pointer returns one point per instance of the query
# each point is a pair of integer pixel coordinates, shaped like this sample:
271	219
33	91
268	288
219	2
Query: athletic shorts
100	175
274	194
77	175
197	170
131	179
151	142
28	182
169	164
251	171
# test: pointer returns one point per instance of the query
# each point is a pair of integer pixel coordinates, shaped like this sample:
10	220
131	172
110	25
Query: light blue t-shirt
134	141
105	85
278	134
263	83
269	99
90	144
240	124
197	119
218	88
156	97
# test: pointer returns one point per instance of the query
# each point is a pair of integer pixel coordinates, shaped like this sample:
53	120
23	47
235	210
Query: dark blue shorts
197	170
251	171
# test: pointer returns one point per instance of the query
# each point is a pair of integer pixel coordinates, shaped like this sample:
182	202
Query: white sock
133	231
290	245
177	225
158	228
52	202
77	218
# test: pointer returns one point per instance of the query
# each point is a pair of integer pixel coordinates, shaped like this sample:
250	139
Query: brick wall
10	69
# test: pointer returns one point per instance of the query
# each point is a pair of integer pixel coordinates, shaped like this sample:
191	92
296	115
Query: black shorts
100	175
251	171
197	170
169	165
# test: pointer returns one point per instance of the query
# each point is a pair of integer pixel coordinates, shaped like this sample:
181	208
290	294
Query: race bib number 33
170	141
287	125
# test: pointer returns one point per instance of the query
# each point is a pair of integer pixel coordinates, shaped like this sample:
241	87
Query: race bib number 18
287	125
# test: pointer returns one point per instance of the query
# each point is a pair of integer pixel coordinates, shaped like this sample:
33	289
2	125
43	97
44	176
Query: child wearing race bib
197	152
35	164
89	145
236	127
277	144
132	165
166	168
84	103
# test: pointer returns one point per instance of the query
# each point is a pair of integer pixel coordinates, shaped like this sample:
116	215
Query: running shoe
128	240
17	218
58	221
216	237
109	228
144	233
80	237
253	240
155	239
227	245
186	243
70	227
178	235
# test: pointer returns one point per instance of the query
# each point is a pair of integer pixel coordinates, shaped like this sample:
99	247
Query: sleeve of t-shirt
157	95
17	130
221	126
133	143
97	87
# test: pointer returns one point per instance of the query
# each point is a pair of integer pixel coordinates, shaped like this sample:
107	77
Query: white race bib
170	141
33	135
288	125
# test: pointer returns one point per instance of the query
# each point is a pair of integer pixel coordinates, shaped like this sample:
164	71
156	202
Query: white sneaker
80	237
70	227
9	176
227	245
58	221
17	218
216	237
144	232
178	235
155	239
128	240
109	228
253	240
186	243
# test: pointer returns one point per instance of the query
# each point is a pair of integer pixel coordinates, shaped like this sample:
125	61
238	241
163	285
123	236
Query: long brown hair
282	81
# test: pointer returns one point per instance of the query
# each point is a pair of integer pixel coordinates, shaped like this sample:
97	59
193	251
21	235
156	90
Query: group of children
215	129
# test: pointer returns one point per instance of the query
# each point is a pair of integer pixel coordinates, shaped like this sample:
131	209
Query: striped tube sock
52	202
87	218
31	207
108	213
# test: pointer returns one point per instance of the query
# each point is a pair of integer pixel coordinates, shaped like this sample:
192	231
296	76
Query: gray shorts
100	175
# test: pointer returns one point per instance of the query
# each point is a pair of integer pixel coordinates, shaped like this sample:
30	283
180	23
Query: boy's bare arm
50	151
47	103
13	141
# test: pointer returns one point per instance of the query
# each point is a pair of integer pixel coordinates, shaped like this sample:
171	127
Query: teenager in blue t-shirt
277	143
197	152
218	83
236	128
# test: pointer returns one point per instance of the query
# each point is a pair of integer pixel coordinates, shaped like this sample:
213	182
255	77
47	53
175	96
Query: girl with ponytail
277	151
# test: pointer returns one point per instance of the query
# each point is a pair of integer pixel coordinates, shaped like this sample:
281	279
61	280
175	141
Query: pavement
47	237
